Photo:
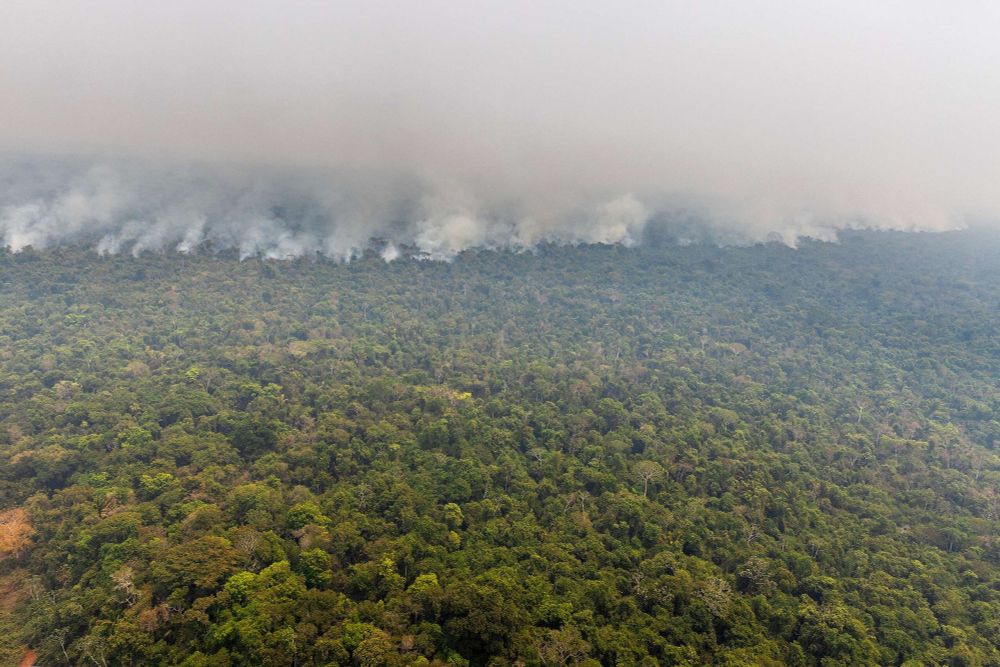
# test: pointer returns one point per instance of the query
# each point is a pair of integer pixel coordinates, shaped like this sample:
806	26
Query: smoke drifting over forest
280	213
286	129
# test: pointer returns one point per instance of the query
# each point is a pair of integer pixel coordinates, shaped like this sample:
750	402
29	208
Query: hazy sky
759	111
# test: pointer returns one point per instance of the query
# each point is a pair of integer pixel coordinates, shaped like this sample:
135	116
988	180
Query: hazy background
292	127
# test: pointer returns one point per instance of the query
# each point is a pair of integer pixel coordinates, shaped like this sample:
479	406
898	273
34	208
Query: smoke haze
286	128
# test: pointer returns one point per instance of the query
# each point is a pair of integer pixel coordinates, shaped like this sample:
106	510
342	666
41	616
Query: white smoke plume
433	127
138	206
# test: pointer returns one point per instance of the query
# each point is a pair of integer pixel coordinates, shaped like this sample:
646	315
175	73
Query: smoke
136	206
287	128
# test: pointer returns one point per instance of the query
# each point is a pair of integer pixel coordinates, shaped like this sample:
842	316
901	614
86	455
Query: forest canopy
581	455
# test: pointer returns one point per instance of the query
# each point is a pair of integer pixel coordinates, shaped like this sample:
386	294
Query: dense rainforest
590	455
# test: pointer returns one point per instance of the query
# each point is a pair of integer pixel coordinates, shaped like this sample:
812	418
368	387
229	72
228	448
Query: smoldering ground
136	206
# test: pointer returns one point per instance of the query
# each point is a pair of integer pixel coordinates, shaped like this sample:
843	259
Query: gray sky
763	113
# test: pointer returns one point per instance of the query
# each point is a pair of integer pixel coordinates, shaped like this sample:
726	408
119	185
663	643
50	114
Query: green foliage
581	456
303	514
314	565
